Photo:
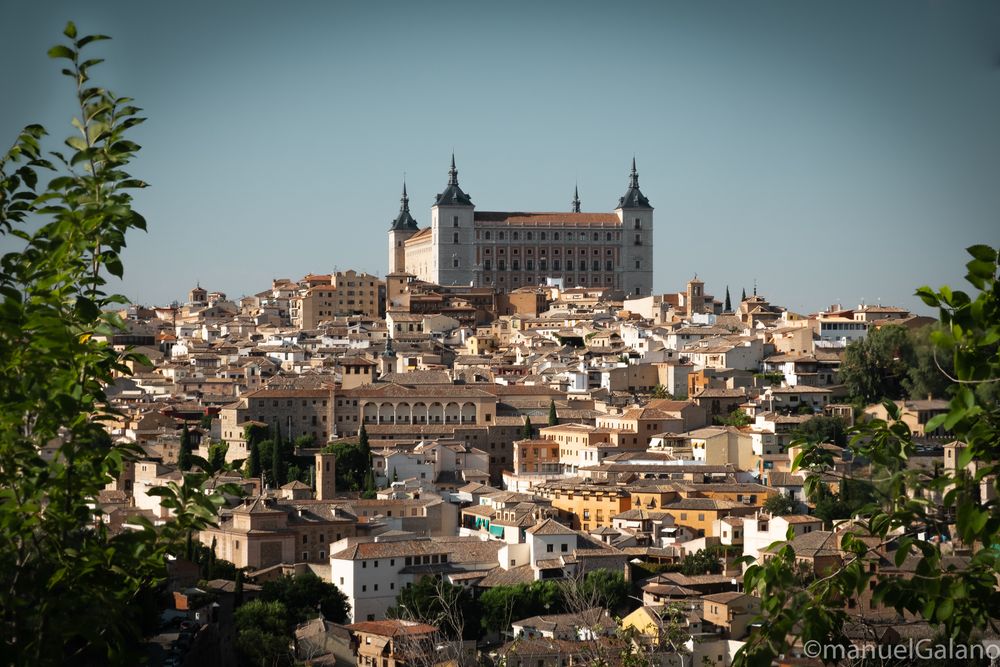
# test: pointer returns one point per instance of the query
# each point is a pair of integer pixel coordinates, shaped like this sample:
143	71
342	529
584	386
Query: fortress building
507	250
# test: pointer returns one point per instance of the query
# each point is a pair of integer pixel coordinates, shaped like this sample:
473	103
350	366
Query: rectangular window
454	221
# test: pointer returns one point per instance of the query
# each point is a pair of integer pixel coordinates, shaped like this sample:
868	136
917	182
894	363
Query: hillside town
507	440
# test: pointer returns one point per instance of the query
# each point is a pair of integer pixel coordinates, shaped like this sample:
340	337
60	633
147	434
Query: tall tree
217	456
363	440
263	632
822	428
304	595
253	462
238	589
526	431
71	591
553	415
875	367
278	468
184	455
729	304
930	371
744	296
909	508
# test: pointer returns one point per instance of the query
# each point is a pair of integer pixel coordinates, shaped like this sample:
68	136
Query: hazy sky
833	151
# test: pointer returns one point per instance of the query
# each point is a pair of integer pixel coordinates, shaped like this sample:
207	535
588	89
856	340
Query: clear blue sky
833	151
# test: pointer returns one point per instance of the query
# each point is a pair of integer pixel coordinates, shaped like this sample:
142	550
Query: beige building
344	293
297	412
264	532
463	246
394	404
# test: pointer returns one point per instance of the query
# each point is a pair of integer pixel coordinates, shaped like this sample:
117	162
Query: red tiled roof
519	218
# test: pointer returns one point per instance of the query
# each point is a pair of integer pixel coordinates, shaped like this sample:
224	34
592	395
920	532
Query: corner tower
636	216
402	228
453	234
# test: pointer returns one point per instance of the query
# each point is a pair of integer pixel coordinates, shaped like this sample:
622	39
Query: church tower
326	475
636	216
453	234
402	228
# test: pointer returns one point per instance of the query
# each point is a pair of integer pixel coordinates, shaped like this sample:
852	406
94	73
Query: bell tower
402	228
453	236
636	216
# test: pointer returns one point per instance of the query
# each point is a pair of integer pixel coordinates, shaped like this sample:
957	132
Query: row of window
288	403
541	251
411	560
542	236
529	265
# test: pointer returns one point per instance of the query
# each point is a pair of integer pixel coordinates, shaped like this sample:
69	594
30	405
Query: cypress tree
363	441
238	589
744	297
553	417
369	489
277	467
729	303
210	569
527	430
253	462
184	455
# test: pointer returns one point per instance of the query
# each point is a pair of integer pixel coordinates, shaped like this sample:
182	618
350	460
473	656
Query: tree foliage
660	391
601	588
502	605
736	418
263	633
185	452
553	415
911	507
451	609
823	428
304	595
352	465
703	561
780	505
876	367
69	212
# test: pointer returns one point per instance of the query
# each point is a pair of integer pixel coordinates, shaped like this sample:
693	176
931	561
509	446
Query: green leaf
87	39
935	422
70	30
61	51
981	269
983	253
944	610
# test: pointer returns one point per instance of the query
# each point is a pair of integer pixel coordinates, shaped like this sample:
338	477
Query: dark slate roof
633	197
404	220
453	195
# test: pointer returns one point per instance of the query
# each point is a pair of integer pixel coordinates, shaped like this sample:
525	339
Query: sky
830	151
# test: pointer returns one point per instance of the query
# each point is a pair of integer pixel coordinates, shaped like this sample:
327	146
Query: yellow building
585	505
698	514
340	293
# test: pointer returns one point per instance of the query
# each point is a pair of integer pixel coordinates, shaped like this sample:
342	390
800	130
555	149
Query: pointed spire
576	199
633	196
404	220
453	195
